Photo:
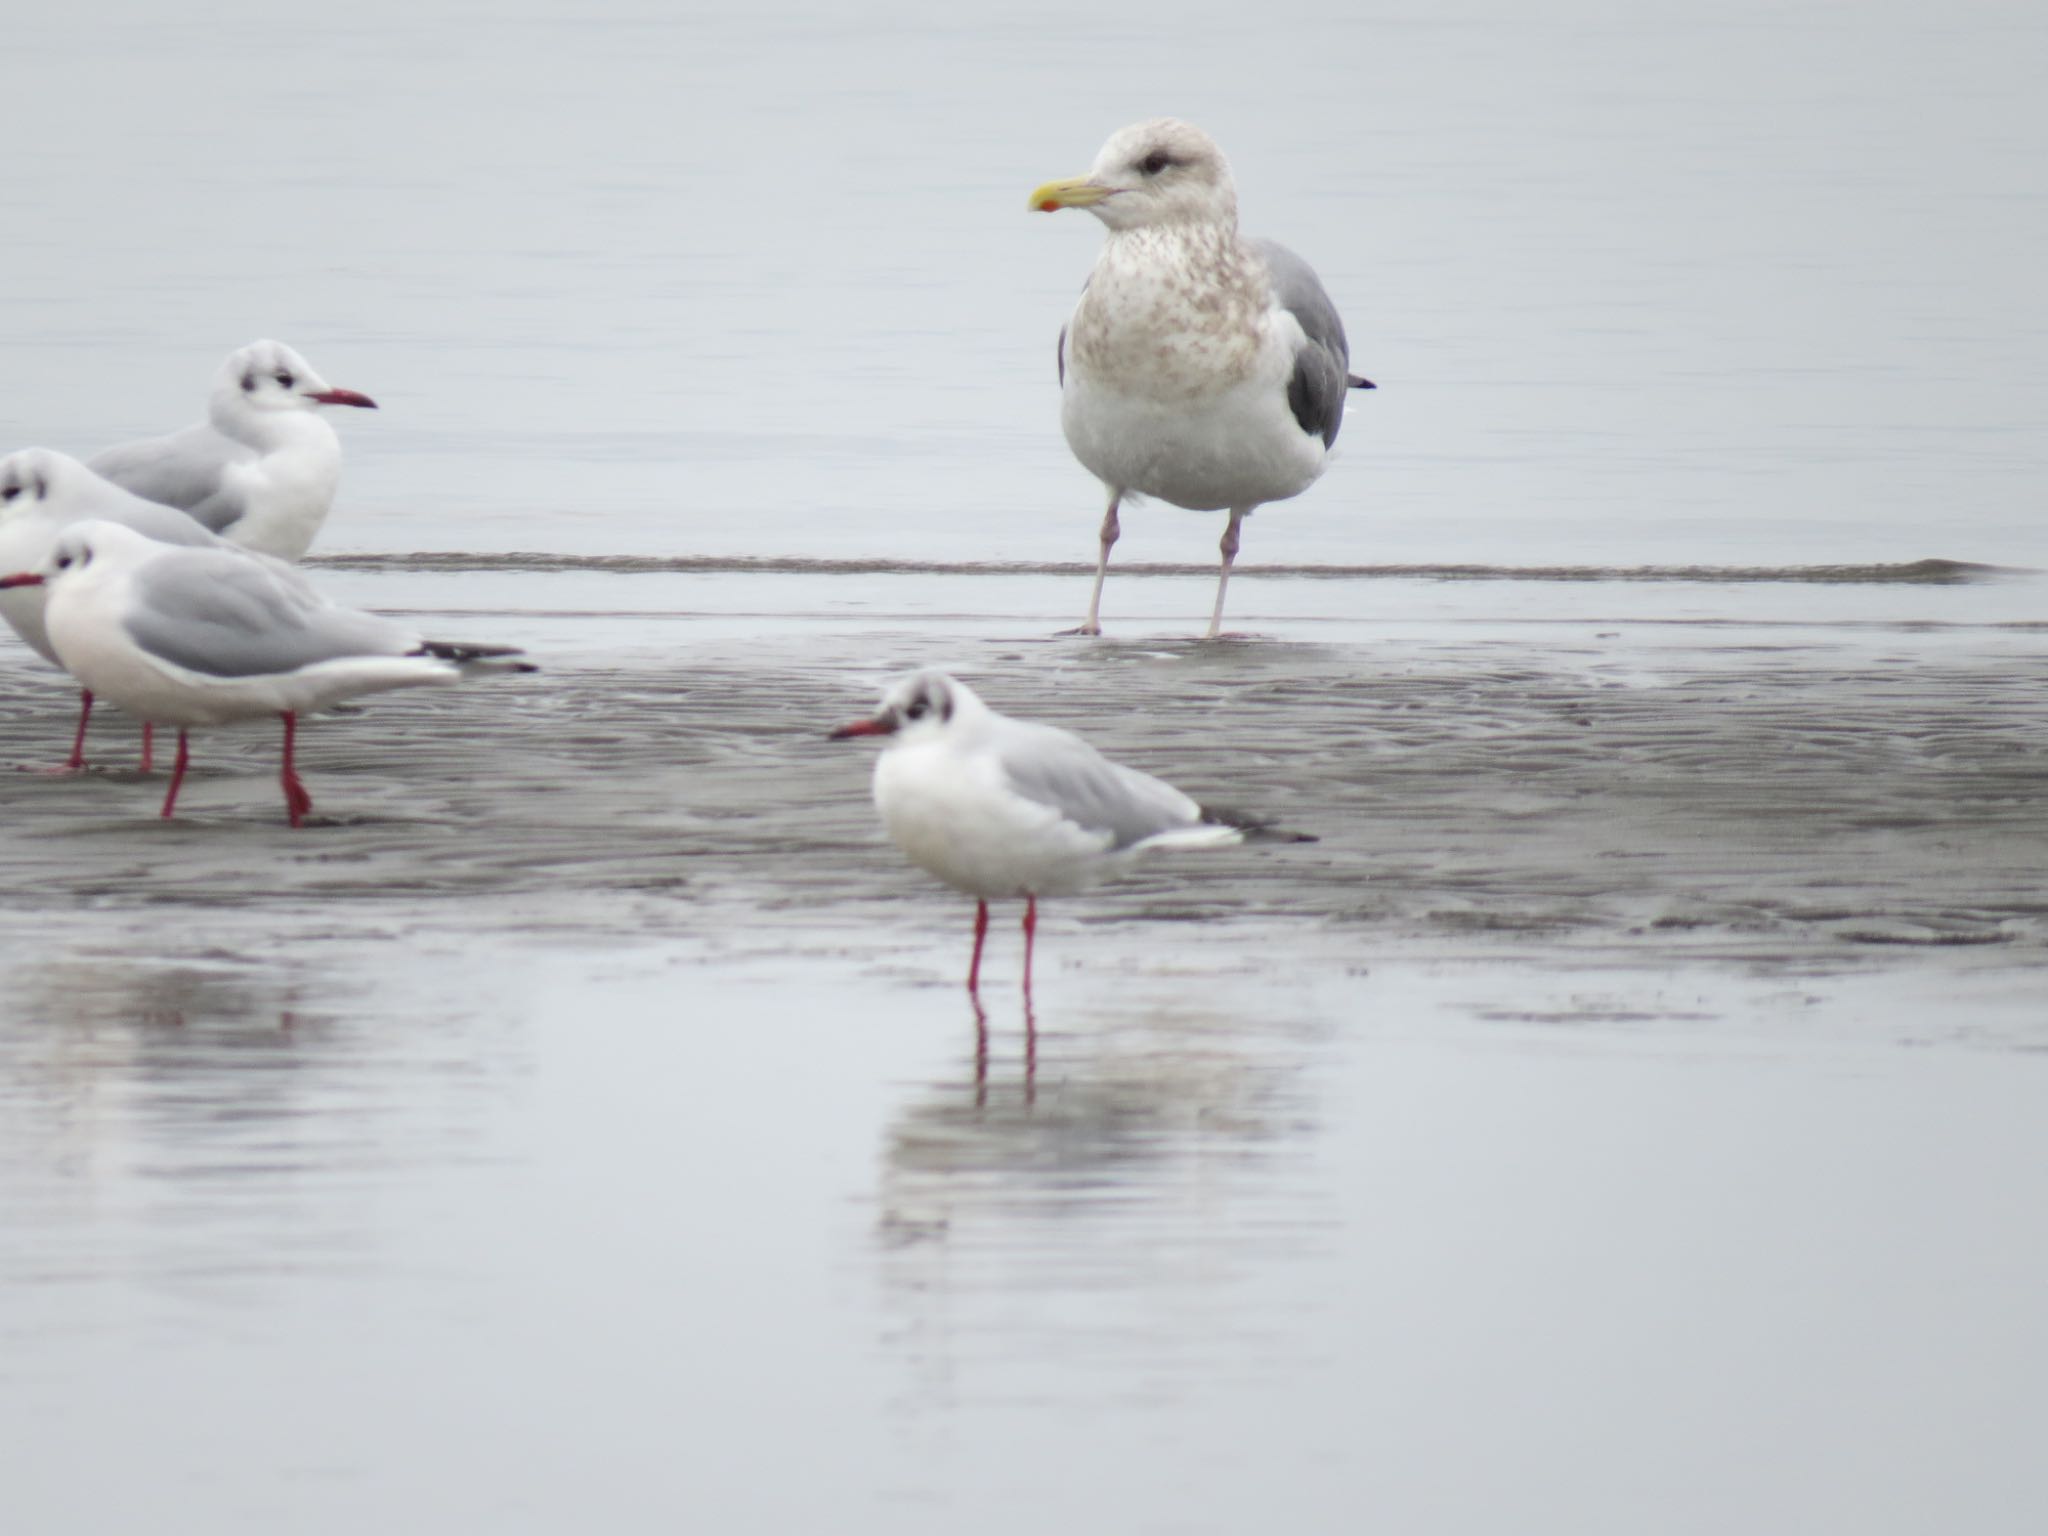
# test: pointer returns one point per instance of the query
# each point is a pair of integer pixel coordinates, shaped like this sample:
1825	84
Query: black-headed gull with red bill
43	492
262	469
1199	367
1003	808
203	636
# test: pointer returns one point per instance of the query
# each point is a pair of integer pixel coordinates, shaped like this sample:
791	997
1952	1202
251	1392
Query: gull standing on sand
261	471
1199	367
203	636
1003	808
43	492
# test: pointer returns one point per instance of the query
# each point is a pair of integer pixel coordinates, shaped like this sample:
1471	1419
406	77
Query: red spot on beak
341	397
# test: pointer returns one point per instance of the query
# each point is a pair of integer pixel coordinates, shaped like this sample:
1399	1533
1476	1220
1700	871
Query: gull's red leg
148	746
296	801
177	774
1030	933
76	760
980	933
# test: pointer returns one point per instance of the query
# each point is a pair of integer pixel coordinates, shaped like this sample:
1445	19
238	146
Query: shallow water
1624	1118
583	1112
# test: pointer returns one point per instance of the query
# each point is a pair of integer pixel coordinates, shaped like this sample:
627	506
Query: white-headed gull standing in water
261	471
1199	367
43	492
1003	808
203	636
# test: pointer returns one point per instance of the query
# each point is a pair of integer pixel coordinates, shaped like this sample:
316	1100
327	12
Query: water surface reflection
212	1115
1109	1191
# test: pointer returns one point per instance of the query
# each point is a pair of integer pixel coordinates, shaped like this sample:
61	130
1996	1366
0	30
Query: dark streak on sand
1913	573
1783	807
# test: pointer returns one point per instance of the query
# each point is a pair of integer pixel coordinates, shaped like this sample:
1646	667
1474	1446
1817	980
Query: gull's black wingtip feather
495	657
1255	829
1358	383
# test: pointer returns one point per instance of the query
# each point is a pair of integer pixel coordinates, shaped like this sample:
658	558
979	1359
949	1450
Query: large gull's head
1151	174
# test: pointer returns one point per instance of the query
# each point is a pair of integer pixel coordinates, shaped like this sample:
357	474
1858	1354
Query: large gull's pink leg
148	746
1111	529
1228	548
177	774
296	801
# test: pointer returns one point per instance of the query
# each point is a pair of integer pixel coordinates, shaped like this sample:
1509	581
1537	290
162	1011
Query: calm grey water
1625	1119
1750	281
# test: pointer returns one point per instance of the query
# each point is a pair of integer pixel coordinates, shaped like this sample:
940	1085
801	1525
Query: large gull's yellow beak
1074	192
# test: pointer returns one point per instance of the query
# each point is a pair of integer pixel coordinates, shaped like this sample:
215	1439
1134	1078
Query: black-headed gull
43	492
202	636
1204	369
1003	808
261	471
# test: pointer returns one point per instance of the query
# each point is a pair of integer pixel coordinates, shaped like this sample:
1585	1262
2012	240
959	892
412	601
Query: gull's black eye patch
248	382
1155	162
286	379
918	710
63	562
10	493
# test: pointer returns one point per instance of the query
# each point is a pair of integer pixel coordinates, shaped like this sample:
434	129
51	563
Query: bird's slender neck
271	432
1209	254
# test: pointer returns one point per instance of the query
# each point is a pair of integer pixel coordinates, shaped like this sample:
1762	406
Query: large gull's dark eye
63	562
1155	162
10	493
286	379
918	710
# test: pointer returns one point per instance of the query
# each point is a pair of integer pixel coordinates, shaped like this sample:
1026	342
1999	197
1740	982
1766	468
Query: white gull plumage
43	492
262	470
1199	367
191	636
1000	808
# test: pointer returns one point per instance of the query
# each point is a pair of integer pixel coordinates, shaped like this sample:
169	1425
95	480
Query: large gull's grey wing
1058	769
183	470
1322	365
227	614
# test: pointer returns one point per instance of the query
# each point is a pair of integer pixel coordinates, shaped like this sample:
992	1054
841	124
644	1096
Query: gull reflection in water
1069	1180
212	1115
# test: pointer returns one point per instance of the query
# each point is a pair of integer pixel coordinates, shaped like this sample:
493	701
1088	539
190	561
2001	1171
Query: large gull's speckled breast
1171	315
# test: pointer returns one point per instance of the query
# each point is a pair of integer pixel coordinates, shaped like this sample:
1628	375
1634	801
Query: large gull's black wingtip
1357	383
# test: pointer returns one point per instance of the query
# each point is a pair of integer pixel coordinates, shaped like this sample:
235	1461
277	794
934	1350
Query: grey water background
1626	1118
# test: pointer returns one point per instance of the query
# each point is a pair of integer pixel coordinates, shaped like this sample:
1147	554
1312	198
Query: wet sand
1631	794
1631	1091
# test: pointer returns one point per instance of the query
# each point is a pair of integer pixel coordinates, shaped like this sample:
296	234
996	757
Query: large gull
1199	367
202	636
262	469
